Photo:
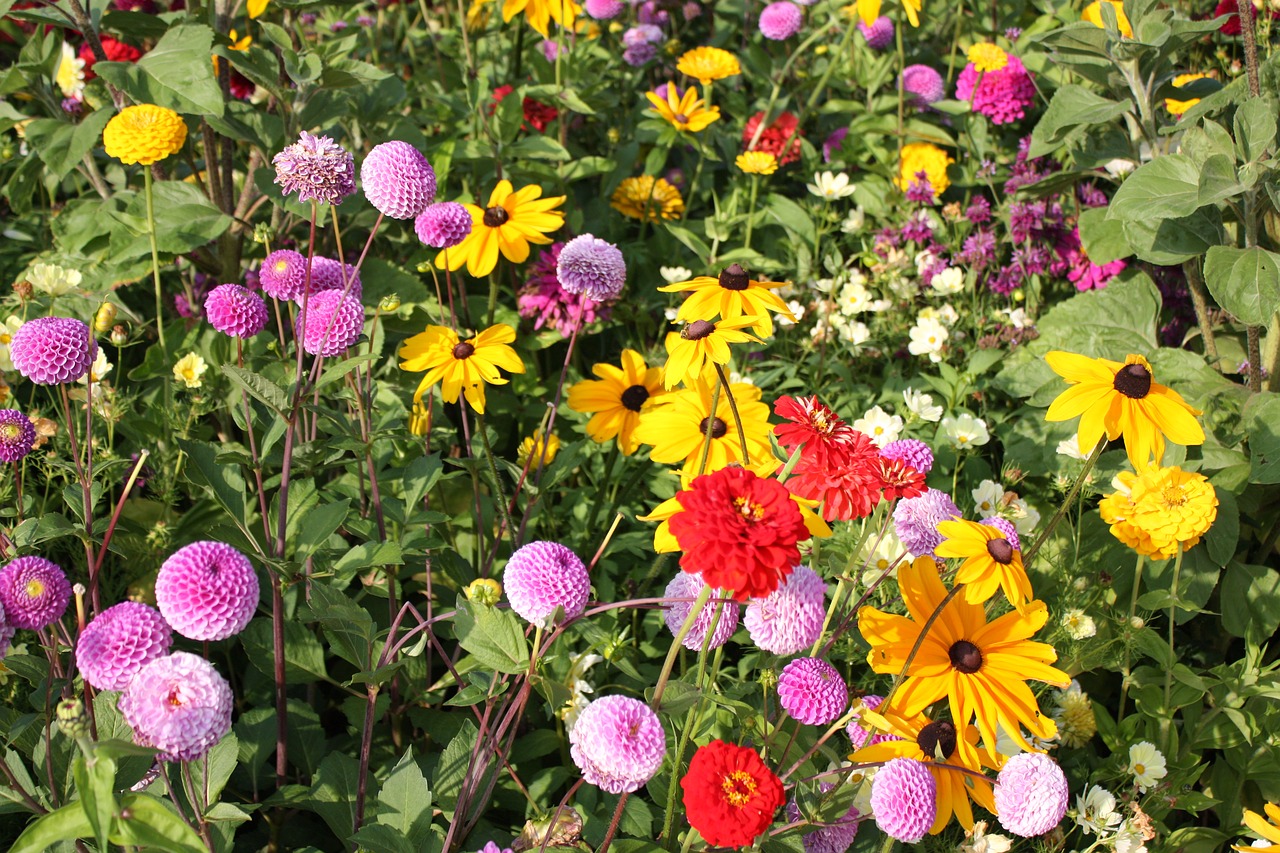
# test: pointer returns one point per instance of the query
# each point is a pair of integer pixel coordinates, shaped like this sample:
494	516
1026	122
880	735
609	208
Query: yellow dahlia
707	64
1158	509
647	197
732	294
462	367
917	157
1176	107
144	134
539	13
757	162
508	223
1093	14
616	399
987	57
1266	831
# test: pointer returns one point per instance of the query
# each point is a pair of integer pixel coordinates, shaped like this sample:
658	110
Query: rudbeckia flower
1093	14
1259	826
702	341
869	11
732	294
682	422
990	562
616	399
684	112
1122	400
463	367
539	13
509	222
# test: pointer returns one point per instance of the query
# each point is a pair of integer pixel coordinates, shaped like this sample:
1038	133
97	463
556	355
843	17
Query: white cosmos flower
988	498
879	425
1130	840
1017	317
1147	765
949	281
830	186
928	336
1079	625
69	75
965	431
8	329
853	333
879	553
1024	516
1096	811
53	279
1070	447
854	221
978	840
797	309
921	405
671	275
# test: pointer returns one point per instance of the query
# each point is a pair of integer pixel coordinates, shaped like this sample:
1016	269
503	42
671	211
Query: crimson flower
823	434
535	113
900	480
116	51
781	131
848	487
730	794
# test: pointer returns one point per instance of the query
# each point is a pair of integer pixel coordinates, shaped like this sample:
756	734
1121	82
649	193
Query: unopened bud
1136	622
484	591
23	289
768	679
72	720
424	267
390	303
103	320
119	336
261	232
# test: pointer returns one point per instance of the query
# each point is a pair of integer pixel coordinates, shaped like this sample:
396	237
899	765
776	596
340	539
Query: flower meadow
639	425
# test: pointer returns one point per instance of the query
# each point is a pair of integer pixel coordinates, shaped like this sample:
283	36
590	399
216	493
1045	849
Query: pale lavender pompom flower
912	451
835	837
178	704
207	591
17	435
915	520
283	274
591	267
1006	527
53	350
904	799
235	311
316	168
618	743
924	83
34	592
443	225
328	274
334	323
686	585
1030	794
790	618
398	180
780	20
543	576
812	691
860	736
603	10
119	642
879	34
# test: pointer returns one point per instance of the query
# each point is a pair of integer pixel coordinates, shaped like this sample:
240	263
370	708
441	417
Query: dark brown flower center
681	118
1001	551
734	277
495	216
965	656
464	350
1133	380
633	398
937	740
713	427
697	330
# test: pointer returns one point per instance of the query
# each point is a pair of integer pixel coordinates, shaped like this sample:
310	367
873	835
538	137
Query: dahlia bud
103	320
119	335
1136	623
261	233
484	591
768	679
424	267
390	303
72	720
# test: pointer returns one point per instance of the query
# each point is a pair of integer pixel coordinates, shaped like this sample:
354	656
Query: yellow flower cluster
144	134
707	64
647	197
1159	509
917	157
757	162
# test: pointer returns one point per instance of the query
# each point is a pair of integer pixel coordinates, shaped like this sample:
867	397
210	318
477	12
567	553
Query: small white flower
853	333
1129	839
946	315
921	405
671	275
1070	447
1024	516
949	281
978	840
1079	625
1119	167
853	299
671	313
965	431
928	337
1017	317
854	221
100	368
1096	811
831	187
69	75
825	285
988	498
924	260
8	329
879	553
797	309
1147	765
53	279
879	425
736	378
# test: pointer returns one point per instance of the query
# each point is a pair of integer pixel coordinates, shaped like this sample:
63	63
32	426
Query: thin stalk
1200	301
737	418
1031	552
706	434
499	495
155	255
665	675
1133	611
751	210
1166	724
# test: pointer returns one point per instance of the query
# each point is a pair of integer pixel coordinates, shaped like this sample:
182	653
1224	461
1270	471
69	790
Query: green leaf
1221	539
1168	242
1121	318
338	369
185	220
1218	179
1166	188
691	241
1255	125
1072	107
1261	419
152	824
1254	596
347	626
493	636
1245	282
48	831
62	145
1103	239
452	768
334	793
94	780
792	216
225	481
376	838
320	522
367	555
177	73
405	801
420	478
540	148
259	387
303	654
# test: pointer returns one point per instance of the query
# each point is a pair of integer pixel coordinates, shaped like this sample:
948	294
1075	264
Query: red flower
783	131
116	51
900	480
1232	8
738	531
824	434
849	488
536	113
730	795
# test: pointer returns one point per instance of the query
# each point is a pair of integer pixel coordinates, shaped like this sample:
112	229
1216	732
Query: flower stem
1167	723
155	254
915	648
1031	552
733	407
706	436
1133	610
665	675
751	210
500	497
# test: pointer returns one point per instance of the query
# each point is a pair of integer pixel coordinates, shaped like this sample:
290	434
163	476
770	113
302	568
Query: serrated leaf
303	654
259	387
404	802
224	481
185	220
334	793
1261	419
1072	107
493	636
320	522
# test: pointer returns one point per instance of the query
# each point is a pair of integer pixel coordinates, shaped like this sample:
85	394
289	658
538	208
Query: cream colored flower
53	279
8	329
948	282
1079	625
69	76
1147	765
965	431
928	337
921	405
978	840
988	498
190	370
831	187
880	426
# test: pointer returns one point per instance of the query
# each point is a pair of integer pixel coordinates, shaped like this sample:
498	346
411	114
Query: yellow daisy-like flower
256	8
419	419
988	57
190	370
693	348
935	742
539	13
647	197
687	112
1259	826
1117	400
463	367
1158	509
508	223
732	294
917	157
531	450
707	64
664	542
680	423
869	11
757	162
1093	14
144	134
981	667
990	562
616	399
1176	107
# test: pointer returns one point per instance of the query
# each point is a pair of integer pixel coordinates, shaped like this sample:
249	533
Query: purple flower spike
316	168
207	591
443	225
333	323
543	576
17	435
34	592
618	743
119	642
178	704
591	267
235	311
398	180
53	350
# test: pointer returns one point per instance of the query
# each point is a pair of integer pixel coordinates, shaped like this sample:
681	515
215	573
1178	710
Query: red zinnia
848	489
782	131
739	531
823	433
900	480
730	795
116	51
535	113
1232	25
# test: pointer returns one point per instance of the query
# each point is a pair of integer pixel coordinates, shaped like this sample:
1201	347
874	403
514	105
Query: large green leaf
1072	107
94	779
185	220
1245	282
1262	421
493	636
303	654
48	831
404	803
1168	242
153	825
177	73
1166	188
63	144
334	793
1103	239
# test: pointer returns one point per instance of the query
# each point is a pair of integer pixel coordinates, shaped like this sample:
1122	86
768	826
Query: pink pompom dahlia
543	576
618	743
178	704
235	311
1031	794
53	350
685	585
812	691
207	591
904	799
17	435
443	225
119	642
283	274
333	323
780	20
789	618
34	592
398	180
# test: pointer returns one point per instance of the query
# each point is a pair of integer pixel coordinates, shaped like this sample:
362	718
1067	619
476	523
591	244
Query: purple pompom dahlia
915	520
328	274
686	585
1031	794
207	591
879	34
398	180
618	743
591	267
119	642
790	618
53	350
443	225
235	311
924	83
543	576
333	323
912	451
178	704
283	274
316	168
780	20
34	592
812	691
17	435
603	10
904	799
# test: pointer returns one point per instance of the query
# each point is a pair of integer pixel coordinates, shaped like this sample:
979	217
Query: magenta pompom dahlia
859	735
924	83
53	350
1031	794
17	435
812	691
790	618
316	168
618	743
879	34
904	799
686	585
591	267
333	323
543	576
443	225
328	274
398	180
119	642
283	274
34	592
915	520
912	451
235	311
1006	527
207	591
603	10
178	704
780	20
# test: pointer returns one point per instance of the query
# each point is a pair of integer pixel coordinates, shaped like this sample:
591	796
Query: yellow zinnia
917	157
616	399
757	162
990	562
707	64
732	294
1121	400
1260	827
647	197
144	134
698	345
509	222
869	11
1176	107
687	112
463	367
987	57
1093	14
539	13
1158	509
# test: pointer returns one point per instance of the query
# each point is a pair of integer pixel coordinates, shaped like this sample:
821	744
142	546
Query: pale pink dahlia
283	274
119	642
904	799
316	168
618	743
207	591
1031	794
443	225
333	323
34	592
545	301
178	704
235	311
812	691
398	180
53	350
686	585
17	435
915	520
543	576
790	618
780	20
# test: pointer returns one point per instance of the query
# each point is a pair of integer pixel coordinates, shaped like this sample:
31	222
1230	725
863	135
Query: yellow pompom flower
1176	107
532	450
757	162
144	134
647	197
687	112
462	367
1159	509
1093	14
988	57
707	64
917	157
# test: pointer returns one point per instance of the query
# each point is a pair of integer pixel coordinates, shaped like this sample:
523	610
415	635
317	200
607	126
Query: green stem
497	483
1128	652
751	210
155	255
665	675
1167	723
737	418
1031	552
706	437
